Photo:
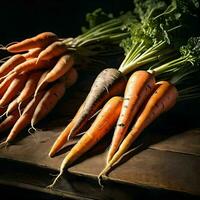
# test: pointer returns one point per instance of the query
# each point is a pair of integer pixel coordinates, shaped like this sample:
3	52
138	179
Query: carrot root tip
11	43
100	181
4	144
55	180
19	108
4	114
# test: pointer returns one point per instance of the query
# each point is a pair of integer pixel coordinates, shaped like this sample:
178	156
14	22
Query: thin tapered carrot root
100	127
139	87
109	82
54	50
41	40
163	99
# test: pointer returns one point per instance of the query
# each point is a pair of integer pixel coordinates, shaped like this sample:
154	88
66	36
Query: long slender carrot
62	138
104	122
48	102
160	101
6	83
41	40
11	63
63	65
139	87
54	50
30	86
24	119
32	53
14	88
9	122
109	82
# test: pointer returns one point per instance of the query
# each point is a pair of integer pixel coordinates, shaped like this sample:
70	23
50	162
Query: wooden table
165	162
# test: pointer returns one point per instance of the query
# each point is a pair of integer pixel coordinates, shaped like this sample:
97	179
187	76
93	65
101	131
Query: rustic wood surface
162	159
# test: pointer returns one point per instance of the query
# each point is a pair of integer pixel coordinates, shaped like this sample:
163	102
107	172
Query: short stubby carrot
110	82
139	87
54	50
48	102
11	63
102	125
163	99
41	40
62	138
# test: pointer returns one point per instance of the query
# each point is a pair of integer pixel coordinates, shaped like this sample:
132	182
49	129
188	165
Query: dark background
25	18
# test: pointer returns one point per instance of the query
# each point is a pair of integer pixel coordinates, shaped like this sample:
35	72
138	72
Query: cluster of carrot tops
161	66
41	68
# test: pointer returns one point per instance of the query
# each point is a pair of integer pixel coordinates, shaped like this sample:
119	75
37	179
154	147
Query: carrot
109	82
6	83
54	50
14	88
32	53
104	122
14	105
11	63
29	87
41	40
139	87
24	119
71	77
63	65
163	99
9	122
48	102
61	140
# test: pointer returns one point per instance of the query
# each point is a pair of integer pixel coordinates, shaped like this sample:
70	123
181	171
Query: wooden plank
153	168
187	142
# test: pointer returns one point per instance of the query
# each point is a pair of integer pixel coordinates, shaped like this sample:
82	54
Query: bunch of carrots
35	78
131	100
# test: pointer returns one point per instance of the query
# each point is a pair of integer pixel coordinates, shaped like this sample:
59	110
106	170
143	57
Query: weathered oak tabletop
165	159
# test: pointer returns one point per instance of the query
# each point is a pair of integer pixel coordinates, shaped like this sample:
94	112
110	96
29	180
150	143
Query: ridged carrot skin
163	99
41	40
110	82
139	87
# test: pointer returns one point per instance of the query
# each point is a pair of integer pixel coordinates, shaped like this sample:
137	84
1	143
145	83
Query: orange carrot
41	40
109	82
10	64
139	87
6	83
104	122
163	99
62	138
48	102
24	119
29	87
71	77
14	88
9	122
63	65
54	50
32	53
14	105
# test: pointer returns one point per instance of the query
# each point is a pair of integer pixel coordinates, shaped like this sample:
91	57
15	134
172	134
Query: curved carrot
54	50
63	65
32	53
41	40
15	87
109	82
62	138
10	64
24	119
48	102
139	86
29	87
161	100
103	123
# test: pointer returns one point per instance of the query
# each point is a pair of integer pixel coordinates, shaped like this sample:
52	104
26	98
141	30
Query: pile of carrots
33	80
